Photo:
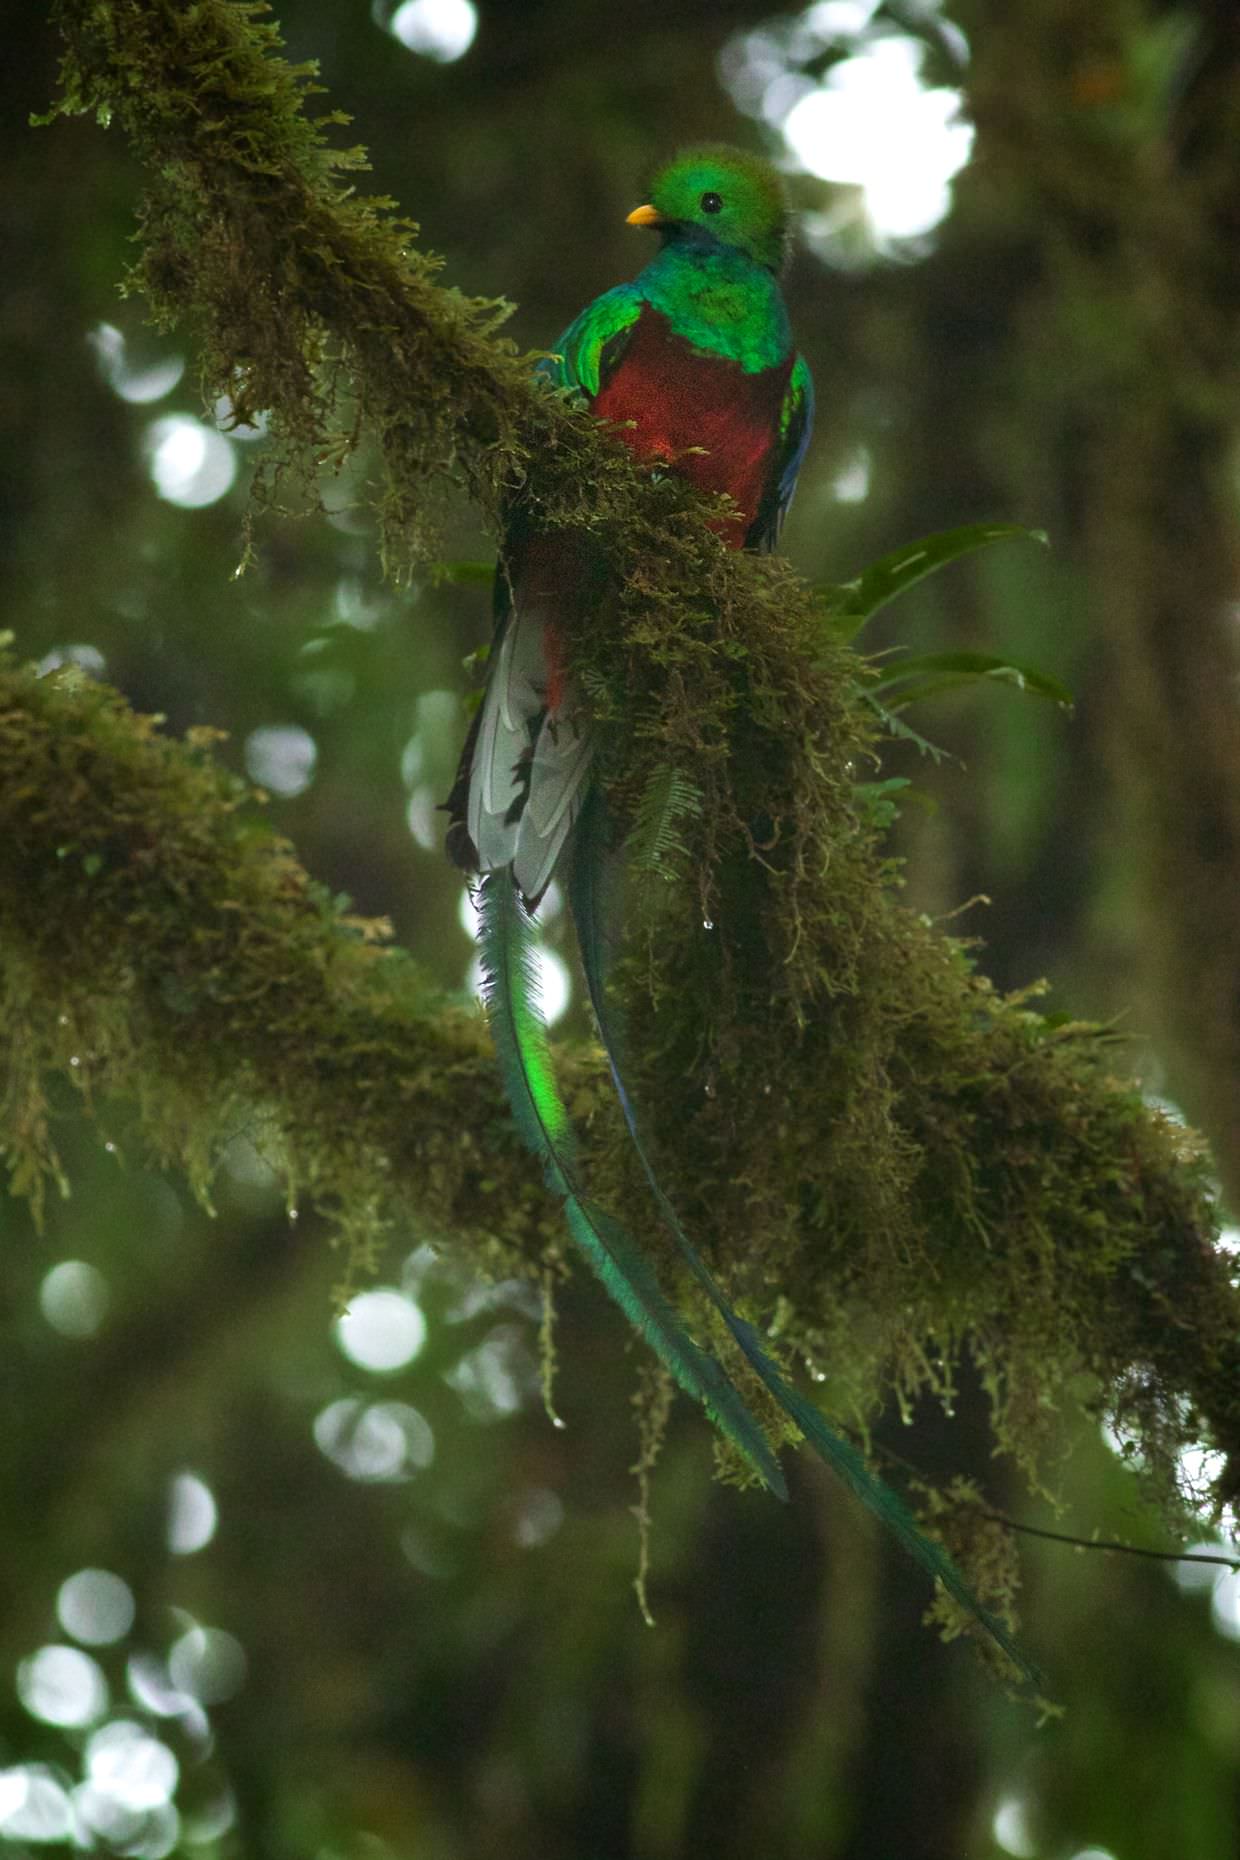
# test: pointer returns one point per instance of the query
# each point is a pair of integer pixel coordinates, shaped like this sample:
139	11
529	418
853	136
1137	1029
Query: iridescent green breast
721	303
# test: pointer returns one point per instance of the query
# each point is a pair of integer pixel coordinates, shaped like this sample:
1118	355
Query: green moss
868	1138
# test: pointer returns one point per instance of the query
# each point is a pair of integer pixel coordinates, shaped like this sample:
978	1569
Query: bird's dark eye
711	203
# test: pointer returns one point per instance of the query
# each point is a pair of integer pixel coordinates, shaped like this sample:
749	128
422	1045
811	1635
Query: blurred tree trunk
1114	140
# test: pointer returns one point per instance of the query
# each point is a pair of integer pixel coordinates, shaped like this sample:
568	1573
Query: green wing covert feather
796	425
594	342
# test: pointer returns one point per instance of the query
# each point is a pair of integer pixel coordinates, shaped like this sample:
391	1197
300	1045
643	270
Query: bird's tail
510	989
586	887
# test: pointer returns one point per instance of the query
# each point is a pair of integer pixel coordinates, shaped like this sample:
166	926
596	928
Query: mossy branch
865	1132
162	946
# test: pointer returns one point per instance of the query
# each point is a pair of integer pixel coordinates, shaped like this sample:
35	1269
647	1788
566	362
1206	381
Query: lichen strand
865	1133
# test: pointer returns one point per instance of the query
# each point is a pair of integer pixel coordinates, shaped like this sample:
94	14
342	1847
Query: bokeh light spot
875	125
33	1805
848	94
62	1685
225	415
539	1518
551	906
382	1440
1195	1577
141	1833
353	604
133	382
207	1664
149	1686
1225	1603
192	1514
554	984
423	819
413	759
1199	1467
1011	1829
211	1820
86	658
440	29
467	912
74	1298
497	1378
248	1167
415	1431
427	1556
382	1330
840	19
479	1296
281	757
96	1607
1124	1444
124	1761
190	464
851	483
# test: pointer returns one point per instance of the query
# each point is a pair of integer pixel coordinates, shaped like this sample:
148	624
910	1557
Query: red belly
679	398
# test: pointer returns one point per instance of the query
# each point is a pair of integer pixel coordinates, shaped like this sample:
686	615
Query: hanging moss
868	1137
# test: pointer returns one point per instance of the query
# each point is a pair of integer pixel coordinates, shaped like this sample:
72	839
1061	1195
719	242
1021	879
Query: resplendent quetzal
695	358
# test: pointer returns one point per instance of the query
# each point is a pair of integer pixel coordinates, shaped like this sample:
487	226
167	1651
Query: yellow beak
644	216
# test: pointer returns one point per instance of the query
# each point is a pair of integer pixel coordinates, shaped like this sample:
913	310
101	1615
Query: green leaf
876	800
904	732
909	680
850	604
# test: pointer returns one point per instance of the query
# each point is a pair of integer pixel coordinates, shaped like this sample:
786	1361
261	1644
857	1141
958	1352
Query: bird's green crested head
719	196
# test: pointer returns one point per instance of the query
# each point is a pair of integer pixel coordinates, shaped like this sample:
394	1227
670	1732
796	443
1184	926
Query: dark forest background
271	1589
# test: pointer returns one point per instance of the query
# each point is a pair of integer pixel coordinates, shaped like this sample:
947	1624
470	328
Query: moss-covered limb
967	1176
861	1126
1074	1227
161	944
311	303
156	942
310	300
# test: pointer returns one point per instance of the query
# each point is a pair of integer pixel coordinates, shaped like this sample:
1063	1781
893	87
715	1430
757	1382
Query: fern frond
655	845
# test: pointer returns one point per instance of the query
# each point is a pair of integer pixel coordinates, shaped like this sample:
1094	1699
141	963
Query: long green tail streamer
510	988
586	886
